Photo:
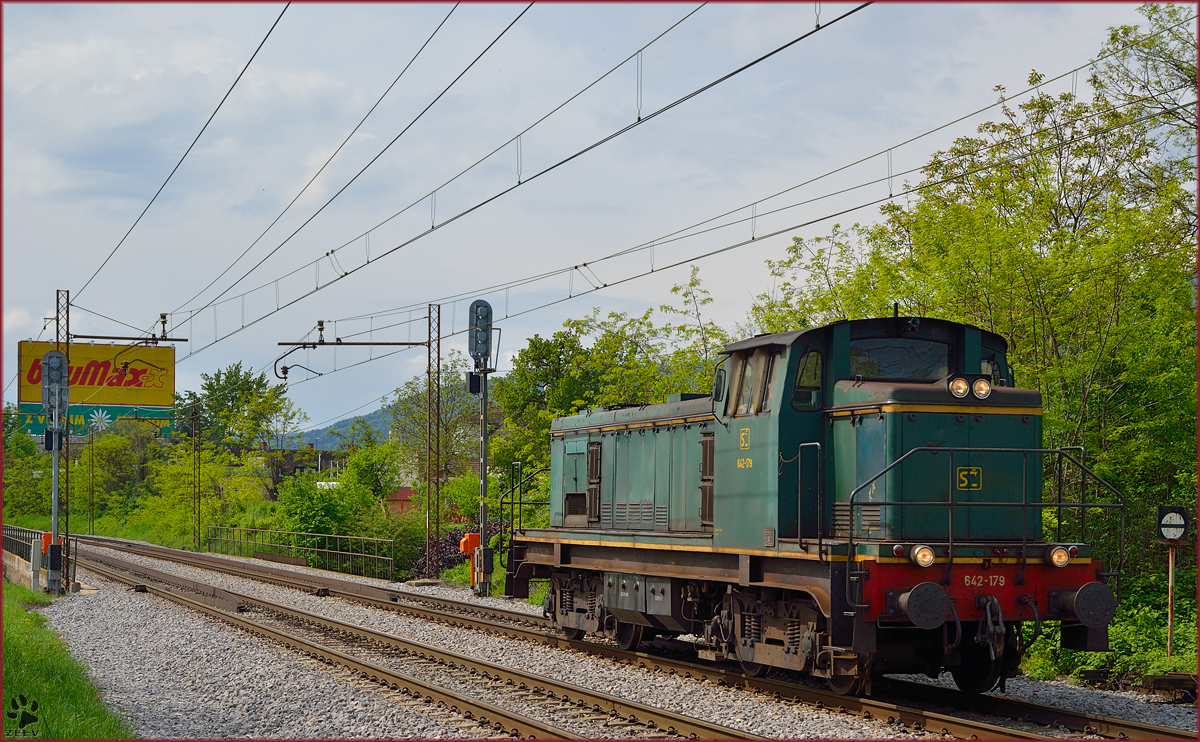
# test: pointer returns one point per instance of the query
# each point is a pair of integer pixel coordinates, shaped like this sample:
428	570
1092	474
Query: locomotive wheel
629	635
572	633
753	669
978	673
844	685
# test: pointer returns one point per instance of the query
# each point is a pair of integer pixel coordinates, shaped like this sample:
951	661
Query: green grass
38	667
106	525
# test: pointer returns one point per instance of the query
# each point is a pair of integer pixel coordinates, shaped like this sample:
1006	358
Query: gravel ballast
176	673
734	708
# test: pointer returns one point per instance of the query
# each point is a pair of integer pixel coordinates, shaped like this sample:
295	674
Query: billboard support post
63	342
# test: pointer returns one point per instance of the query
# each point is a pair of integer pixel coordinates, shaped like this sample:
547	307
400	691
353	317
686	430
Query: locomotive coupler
989	629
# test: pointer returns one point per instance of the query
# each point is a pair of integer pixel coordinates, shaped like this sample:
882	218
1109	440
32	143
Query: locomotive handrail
516	506
854	576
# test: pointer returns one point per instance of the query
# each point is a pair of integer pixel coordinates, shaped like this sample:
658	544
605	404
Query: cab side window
768	395
745	397
806	394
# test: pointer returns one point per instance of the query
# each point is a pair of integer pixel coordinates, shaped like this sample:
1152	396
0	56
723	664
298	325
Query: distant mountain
327	439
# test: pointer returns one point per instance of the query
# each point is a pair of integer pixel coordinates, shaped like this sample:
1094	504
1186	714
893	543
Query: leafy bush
311	509
445	546
1138	640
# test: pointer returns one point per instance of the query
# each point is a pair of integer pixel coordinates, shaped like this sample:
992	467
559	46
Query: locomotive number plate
983	580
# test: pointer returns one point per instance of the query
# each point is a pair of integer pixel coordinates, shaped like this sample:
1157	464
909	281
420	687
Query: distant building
401	501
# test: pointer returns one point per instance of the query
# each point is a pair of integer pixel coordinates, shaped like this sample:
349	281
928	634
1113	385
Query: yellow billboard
104	374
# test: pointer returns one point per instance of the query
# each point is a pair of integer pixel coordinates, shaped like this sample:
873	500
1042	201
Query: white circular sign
1171	526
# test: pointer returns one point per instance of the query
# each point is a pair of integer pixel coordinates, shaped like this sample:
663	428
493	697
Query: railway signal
479	343
56	398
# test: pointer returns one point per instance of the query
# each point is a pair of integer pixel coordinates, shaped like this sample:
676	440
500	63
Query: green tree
407	409
265	428
375	469
548	379
1156	70
18	443
309	508
1066	228
220	400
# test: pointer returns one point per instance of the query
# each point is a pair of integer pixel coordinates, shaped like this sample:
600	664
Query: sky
101	101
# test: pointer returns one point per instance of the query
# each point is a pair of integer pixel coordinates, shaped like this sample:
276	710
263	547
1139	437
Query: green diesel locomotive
854	499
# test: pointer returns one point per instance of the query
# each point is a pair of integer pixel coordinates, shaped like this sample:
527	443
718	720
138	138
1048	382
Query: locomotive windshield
899	358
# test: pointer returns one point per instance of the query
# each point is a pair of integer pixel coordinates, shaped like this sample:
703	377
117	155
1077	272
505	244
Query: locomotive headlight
959	388
1058	556
982	388
921	555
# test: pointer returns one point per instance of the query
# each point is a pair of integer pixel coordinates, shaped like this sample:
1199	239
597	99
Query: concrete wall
19	571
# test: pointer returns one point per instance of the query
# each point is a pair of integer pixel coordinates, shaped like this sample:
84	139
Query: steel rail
867	707
326	585
487	714
213	596
632	711
1105	726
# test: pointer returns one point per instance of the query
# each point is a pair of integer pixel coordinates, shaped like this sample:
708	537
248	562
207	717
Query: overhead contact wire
326	164
373	160
810	222
515	138
185	154
548	169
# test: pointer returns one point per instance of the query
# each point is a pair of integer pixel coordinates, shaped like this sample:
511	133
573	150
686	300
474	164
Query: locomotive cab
853	499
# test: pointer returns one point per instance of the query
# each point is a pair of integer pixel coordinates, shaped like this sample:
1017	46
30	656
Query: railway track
485	718
533	628
374	650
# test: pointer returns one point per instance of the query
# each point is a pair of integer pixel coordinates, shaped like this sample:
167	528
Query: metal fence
355	555
17	540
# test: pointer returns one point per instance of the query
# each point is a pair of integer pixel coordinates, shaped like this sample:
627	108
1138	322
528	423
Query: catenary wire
667	238
105	316
1041	84
185	154
792	228
326	164
371	162
512	139
533	177
676	236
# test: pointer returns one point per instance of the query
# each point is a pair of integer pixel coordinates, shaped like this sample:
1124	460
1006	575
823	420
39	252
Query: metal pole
437	445
91	482
195	475
1170	599
64	345
54	576
486	568
428	439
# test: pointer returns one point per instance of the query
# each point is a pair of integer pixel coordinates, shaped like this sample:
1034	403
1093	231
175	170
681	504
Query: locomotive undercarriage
761	628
